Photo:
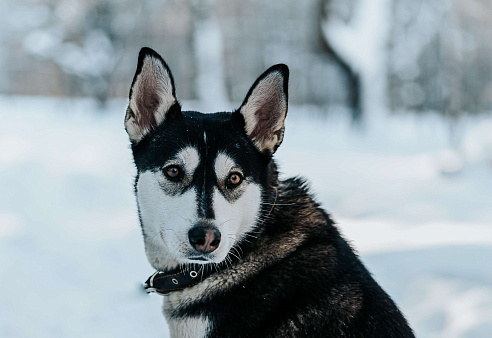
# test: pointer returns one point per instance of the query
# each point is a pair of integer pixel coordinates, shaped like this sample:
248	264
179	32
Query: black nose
204	238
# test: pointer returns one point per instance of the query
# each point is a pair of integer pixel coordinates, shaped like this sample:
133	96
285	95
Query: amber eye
173	173
234	180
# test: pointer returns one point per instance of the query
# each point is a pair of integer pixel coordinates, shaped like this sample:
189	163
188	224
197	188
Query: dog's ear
265	107
152	94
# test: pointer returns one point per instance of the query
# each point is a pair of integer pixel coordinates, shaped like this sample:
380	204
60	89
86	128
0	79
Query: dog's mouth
198	258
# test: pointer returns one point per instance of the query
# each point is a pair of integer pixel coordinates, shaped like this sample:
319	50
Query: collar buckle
148	289
149	285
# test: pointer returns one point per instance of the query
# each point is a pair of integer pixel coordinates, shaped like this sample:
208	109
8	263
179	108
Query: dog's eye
234	180
173	173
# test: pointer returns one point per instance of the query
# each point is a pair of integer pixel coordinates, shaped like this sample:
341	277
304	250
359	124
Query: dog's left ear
152	95
265	107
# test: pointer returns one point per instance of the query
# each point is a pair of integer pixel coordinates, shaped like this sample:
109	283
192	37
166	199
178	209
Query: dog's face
201	178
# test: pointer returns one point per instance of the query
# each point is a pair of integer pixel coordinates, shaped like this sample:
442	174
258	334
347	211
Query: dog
237	252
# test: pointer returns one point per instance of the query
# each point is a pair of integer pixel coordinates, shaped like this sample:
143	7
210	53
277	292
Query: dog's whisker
234	255
202	269
237	252
239	247
186	219
232	219
250	235
246	240
283	204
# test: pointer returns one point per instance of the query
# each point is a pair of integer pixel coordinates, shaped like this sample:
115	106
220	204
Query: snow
72	256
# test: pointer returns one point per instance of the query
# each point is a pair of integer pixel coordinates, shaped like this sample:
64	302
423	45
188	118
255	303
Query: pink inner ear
267	117
147	101
267	104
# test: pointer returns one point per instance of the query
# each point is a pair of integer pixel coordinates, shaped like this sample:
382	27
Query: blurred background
389	119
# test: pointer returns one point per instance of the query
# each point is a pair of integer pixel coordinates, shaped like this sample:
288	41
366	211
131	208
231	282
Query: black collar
163	283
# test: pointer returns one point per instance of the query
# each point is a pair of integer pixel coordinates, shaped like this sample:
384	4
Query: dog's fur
282	268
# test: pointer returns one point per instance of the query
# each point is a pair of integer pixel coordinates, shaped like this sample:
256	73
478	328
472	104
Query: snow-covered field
72	258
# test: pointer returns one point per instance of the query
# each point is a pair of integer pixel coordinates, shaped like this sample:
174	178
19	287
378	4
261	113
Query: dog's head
202	178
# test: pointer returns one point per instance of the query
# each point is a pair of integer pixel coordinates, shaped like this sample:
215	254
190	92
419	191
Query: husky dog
239	253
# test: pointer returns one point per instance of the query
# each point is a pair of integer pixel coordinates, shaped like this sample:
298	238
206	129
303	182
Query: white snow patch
376	236
11	225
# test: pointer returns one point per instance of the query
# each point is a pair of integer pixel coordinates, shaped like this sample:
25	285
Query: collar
164	283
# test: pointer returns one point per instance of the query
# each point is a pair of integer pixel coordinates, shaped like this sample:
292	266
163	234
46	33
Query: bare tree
356	35
353	78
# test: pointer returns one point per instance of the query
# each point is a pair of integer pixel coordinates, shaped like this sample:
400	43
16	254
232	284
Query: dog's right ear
152	94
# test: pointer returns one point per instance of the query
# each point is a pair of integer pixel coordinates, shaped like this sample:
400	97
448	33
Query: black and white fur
281	267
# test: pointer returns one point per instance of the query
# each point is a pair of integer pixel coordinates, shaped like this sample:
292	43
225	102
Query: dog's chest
188	327
181	319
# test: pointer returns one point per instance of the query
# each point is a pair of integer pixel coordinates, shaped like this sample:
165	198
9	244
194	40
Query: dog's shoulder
327	285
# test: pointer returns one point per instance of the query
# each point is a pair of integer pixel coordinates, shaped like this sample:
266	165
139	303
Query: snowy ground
71	255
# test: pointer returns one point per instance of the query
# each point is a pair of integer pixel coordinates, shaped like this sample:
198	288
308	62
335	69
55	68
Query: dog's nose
204	238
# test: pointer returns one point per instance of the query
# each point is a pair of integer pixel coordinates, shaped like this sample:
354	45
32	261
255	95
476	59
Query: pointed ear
152	94
265	107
